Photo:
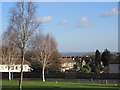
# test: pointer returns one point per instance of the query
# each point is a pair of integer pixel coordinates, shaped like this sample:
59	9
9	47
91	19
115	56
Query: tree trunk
21	74
43	74
23	48
9	73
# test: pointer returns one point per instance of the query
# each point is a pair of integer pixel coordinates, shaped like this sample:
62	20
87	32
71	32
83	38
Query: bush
86	69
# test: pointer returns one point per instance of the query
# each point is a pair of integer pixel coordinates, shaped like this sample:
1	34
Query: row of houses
15	67
67	63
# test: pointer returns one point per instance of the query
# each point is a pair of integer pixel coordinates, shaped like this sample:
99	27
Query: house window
5	67
12	68
25	67
16	67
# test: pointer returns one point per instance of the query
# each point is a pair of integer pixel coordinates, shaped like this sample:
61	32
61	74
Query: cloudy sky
76	26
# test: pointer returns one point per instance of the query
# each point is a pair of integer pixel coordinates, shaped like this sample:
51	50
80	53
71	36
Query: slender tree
106	57
97	58
43	48
22	23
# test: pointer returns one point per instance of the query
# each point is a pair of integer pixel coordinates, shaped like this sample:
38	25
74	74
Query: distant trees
97	63
44	46
106	57
102	60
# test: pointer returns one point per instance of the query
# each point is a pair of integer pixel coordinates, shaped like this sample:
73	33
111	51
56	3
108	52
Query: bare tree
9	58
43	48
9	52
23	25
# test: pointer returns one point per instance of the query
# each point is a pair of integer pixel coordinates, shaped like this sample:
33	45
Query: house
15	67
67	63
114	65
78	60
83	63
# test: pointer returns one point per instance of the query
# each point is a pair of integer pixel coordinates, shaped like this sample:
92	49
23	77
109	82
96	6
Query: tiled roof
67	60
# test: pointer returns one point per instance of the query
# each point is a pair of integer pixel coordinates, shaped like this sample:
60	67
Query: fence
73	75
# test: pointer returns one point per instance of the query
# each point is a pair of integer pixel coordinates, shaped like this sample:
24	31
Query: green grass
27	85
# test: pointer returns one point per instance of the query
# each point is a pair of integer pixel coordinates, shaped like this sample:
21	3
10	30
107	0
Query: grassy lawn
27	85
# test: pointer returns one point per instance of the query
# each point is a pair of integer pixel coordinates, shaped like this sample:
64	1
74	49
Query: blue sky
76	26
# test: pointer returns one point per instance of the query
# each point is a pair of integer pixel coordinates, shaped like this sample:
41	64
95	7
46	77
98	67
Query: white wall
14	68
114	68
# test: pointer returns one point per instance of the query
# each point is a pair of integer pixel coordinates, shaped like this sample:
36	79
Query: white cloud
84	22
64	22
44	19
84	19
113	12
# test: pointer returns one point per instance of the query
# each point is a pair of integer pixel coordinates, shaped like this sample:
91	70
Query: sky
76	26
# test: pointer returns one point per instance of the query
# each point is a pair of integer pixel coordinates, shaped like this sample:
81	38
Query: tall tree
22	23
106	57
43	48
97	58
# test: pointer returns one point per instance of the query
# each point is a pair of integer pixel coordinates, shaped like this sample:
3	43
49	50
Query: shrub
86	69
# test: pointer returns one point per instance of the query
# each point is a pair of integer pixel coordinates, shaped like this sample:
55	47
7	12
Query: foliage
106	57
75	66
96	69
97	58
33	64
105	69
56	63
86	69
